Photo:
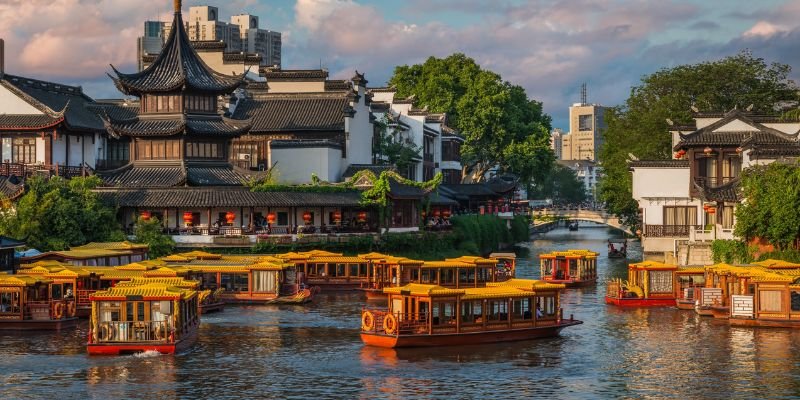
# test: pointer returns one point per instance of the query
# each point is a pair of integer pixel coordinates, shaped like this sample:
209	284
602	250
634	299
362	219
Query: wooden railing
46	309
27	170
668	230
713	181
134	331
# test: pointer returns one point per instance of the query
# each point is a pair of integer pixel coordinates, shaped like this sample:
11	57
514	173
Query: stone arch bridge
598	216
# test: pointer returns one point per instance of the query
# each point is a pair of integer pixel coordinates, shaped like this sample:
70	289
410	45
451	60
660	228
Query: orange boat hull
721	312
685	304
764	323
462	339
113	349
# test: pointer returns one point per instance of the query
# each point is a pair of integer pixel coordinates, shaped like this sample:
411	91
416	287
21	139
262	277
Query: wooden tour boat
617	248
423	315
573	225
571	268
649	284
34	303
150	317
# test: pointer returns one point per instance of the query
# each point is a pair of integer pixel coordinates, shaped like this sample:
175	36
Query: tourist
539	312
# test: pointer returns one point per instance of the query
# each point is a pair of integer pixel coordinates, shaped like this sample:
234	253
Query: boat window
9	303
522	309
497	310
353	269
573	267
547	304
140	311
397	305
464	276
547	266
340	270
234	282
770	300
484	274
414	274
109	311
428	276
661	282
265	281
795	300
209	281
155	312
362	269
447	277
56	291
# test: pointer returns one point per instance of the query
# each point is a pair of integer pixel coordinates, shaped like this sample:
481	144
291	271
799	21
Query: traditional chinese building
693	197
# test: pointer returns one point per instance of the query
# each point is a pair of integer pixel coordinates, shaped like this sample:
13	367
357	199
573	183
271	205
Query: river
315	352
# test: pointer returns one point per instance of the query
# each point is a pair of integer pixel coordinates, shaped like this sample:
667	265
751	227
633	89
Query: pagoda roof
215	125
178	67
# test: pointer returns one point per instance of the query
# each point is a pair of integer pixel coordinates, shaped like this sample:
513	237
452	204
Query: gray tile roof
729	192
761	134
178	67
52	98
295	112
376	169
659	164
143	177
277	74
139	127
187	197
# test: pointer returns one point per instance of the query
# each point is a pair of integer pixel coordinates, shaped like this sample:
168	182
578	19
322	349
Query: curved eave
52	124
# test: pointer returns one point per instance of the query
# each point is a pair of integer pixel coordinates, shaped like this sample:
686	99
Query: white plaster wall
660	182
383	96
90	150
40	150
359	133
75	147
59	150
789	128
415	133
296	87
736	126
295	166
704	122
10	103
335	167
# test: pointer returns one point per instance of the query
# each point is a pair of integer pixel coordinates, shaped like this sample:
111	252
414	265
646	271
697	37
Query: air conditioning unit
244	156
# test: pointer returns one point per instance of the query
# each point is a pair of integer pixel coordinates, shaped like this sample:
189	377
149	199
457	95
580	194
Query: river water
315	352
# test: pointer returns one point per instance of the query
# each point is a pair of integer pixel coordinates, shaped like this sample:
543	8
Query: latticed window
24	150
660	281
680	215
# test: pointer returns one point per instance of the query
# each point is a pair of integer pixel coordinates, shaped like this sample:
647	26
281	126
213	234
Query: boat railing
404	323
133	331
49	309
82	296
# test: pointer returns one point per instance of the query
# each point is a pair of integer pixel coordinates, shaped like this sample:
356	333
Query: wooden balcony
658	231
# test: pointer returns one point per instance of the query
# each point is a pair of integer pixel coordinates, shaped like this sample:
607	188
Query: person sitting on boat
539	312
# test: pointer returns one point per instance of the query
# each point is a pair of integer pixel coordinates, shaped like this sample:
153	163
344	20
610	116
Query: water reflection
315	351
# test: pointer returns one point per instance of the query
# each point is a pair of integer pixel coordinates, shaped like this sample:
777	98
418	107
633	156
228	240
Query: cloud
763	28
704	26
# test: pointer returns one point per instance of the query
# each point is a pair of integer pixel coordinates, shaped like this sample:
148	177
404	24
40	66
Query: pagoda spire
177	4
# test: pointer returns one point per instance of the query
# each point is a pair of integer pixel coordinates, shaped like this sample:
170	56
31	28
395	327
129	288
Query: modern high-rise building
556	142
264	42
586	126
241	37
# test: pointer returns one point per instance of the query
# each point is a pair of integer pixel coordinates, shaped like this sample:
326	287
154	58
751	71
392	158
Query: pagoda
177	137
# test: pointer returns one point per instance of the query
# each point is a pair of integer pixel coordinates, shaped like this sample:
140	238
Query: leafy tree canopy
639	126
390	150
771	210
501	125
151	233
561	184
56	213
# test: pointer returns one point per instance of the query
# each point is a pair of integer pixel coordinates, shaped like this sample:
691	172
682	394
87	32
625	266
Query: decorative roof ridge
728	117
33	102
302	95
46	85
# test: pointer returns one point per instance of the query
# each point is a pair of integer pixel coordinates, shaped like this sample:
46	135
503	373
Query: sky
549	47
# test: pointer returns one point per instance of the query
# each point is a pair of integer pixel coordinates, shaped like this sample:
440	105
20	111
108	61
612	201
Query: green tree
151	232
391	151
640	127
55	214
561	184
501	126
771	209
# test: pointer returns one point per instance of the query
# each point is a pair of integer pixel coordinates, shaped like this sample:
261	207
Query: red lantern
271	218
230	217
307	217
362	216
436	213
145	216
337	217
711	210
446	213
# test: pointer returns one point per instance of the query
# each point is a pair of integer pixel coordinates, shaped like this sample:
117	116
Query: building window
158	149
24	150
283	218
585	122
117	151
204	150
727	217
677	215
